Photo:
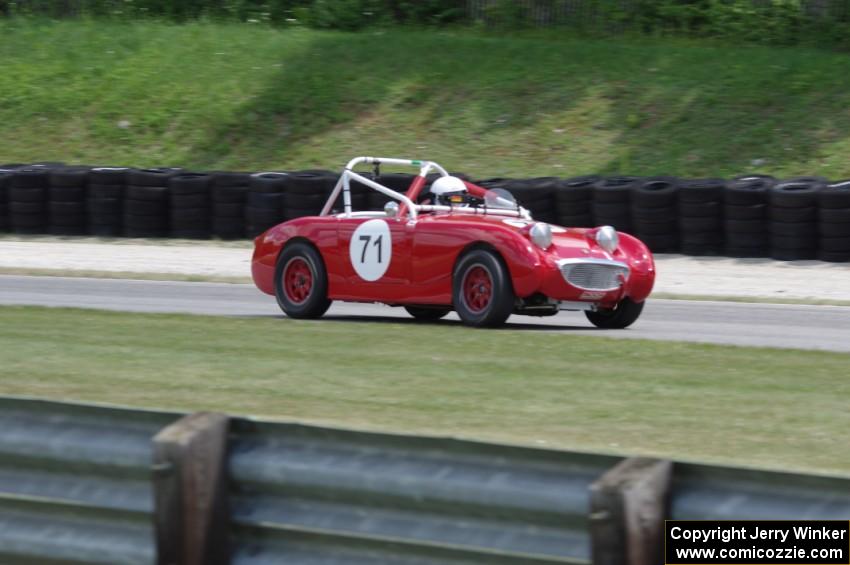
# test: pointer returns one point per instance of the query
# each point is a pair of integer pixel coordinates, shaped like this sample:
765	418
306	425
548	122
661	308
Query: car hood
567	243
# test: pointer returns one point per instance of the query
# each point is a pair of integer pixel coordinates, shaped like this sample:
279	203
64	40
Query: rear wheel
301	282
427	313
482	293
622	316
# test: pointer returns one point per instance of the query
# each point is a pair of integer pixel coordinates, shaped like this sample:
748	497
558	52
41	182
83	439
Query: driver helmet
449	190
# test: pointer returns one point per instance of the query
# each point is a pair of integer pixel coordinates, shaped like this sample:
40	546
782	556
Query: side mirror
391	209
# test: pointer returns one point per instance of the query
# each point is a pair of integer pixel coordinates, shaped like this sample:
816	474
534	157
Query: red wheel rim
297	280
477	288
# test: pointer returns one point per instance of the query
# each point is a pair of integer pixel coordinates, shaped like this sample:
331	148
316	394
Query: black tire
268	182
748	190
624	315
700	224
803	214
668	227
701	191
300	255
145	207
794	229
834	257
265	200
743	239
105	230
151	193
614	189
223	179
151	177
834	215
656	192
228	210
745	226
836	195
700	209
106	191
18	194
295	200
229	194
69	177
493	300
835	244
782	254
108	175
190	183
654	215
801	192
190	214
575	221
197	200
708	238
828	229
30	178
749	212
428	313
67	194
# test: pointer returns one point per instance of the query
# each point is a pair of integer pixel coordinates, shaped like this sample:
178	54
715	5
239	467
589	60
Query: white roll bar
344	183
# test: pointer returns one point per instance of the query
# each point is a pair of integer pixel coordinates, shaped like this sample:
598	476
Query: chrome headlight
607	238
541	234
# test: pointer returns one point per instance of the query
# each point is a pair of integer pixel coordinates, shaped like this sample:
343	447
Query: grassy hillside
238	96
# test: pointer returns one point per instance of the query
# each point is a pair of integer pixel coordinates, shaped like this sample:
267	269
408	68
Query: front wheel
622	316
482	293
301	282
427	313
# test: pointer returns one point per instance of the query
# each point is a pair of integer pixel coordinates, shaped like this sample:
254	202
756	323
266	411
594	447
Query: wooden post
190	491
628	505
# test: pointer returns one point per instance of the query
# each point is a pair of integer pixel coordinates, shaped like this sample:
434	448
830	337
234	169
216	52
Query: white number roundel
371	249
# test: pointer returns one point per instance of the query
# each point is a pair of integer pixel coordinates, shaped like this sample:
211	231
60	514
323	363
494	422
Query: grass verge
238	96
777	408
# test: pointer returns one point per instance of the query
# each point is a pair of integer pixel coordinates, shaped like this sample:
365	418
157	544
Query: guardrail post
190	491
628	505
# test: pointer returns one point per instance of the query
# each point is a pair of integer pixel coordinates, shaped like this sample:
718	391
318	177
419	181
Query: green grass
239	96
777	408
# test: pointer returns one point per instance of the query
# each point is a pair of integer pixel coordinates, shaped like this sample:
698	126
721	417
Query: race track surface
772	325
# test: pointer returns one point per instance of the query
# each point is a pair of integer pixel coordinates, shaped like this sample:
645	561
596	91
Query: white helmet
445	187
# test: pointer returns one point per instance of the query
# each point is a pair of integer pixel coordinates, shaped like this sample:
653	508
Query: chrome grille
594	274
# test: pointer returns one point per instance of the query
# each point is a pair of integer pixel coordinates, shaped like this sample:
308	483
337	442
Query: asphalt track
771	325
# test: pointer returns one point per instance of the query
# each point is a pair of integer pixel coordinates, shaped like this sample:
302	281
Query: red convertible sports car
456	246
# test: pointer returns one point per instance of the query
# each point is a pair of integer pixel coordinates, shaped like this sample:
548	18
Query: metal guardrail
77	486
441	500
75	483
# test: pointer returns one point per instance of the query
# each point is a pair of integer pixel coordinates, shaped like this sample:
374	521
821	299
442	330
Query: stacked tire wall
746	216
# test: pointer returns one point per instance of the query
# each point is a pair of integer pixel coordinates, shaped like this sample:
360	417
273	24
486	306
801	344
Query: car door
375	255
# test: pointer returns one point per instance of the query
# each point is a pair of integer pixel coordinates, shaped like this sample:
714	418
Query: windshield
500	198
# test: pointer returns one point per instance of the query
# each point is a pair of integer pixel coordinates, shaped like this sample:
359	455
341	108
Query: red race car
454	246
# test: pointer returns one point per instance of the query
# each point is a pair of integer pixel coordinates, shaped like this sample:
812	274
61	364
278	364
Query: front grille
594	275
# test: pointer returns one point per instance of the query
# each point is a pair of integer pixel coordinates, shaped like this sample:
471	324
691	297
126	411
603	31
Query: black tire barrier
746	225
612	202
574	201
654	207
748	216
147	202
261	212
189	210
228	194
106	200
67	200
793	218
28	185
